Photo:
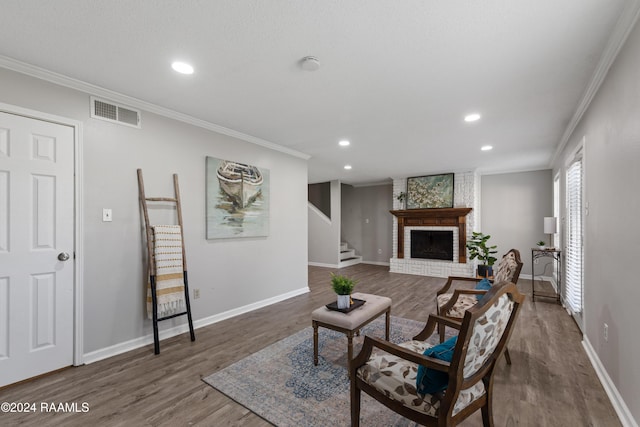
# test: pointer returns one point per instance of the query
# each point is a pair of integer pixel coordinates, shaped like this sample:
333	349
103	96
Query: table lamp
550	228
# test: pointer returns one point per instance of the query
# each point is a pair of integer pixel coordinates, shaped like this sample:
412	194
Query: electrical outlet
379	251
196	293
606	332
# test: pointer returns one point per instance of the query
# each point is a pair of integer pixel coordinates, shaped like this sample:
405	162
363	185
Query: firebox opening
429	244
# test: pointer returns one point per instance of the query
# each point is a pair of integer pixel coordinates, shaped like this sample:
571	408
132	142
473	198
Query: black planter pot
485	270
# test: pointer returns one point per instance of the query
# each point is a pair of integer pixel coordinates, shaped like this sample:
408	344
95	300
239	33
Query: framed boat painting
431	191
237	199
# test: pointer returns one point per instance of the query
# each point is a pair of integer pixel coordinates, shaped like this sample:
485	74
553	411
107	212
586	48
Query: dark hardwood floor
551	381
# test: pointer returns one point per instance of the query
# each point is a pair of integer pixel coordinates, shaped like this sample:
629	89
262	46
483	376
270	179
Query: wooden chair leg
506	356
355	405
487	416
487	408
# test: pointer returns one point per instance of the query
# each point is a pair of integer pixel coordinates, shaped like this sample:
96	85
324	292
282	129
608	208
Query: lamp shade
550	226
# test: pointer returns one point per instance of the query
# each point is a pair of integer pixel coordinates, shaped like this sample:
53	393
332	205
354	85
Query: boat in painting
242	183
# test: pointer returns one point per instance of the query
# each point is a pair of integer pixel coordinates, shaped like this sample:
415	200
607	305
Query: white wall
611	131
230	273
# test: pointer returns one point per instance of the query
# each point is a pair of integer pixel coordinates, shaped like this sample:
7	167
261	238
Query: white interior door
36	236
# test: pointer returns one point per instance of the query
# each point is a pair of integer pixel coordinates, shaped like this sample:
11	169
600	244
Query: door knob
63	256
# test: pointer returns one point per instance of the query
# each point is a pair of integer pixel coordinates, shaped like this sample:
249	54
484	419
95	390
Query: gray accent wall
367	224
610	129
351	214
230	273
320	196
377	223
324	232
513	209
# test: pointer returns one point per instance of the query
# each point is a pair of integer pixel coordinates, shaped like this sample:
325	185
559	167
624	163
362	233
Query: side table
537	253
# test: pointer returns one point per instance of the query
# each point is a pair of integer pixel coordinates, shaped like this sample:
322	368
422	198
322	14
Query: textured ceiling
396	77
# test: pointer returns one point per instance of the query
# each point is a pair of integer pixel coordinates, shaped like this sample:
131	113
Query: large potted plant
479	248
343	286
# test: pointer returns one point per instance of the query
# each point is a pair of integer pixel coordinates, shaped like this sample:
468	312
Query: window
574	238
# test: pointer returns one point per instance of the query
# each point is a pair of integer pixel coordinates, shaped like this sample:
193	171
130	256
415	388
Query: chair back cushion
486	334
507	268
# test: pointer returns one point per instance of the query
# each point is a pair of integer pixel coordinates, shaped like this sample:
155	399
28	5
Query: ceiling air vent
110	111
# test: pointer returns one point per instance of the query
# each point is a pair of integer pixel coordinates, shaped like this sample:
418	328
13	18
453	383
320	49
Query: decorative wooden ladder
151	259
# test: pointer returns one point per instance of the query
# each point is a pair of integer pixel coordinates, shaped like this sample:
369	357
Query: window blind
573	249
556	213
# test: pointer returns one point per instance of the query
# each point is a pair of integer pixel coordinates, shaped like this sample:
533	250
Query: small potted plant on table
479	248
343	286
541	244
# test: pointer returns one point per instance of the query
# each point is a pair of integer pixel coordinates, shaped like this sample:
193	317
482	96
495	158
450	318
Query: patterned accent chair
452	305
388	371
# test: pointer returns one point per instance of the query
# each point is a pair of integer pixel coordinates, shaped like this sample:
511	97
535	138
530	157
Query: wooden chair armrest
396	350
454	298
452	279
458	292
430	327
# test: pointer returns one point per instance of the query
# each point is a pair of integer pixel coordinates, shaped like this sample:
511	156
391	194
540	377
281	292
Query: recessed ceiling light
344	143
347	167
472	117
486	148
182	67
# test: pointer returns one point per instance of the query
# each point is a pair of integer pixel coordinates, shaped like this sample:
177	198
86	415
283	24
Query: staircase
348	256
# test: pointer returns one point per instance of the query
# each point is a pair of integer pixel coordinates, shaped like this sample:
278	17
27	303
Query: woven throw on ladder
167	254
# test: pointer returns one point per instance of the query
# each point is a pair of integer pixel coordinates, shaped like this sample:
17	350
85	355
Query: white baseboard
320	264
133	344
609	387
538	277
377	263
543	278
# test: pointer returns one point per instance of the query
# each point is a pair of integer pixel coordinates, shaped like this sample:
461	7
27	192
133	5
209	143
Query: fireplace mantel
448	217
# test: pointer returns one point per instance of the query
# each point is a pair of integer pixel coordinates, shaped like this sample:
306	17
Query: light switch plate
106	215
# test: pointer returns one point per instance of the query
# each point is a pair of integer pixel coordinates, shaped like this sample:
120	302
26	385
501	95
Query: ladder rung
171	316
161	199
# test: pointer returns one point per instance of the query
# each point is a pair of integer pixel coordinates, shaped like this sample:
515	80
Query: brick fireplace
433	220
460	220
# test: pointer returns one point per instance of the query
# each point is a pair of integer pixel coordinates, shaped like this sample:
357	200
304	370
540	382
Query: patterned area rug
281	384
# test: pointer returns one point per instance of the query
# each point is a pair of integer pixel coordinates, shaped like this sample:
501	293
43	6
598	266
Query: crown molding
62	80
623	28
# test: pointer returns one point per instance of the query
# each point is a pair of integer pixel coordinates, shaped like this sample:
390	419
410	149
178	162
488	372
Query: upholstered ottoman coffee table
351	322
